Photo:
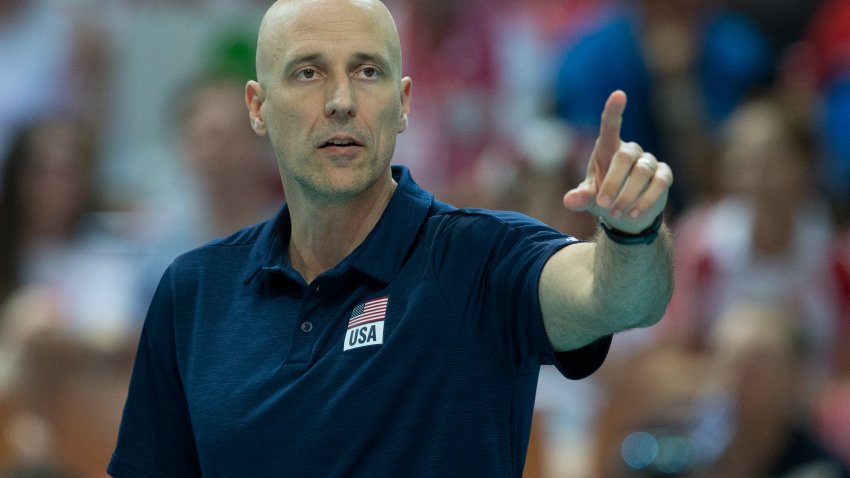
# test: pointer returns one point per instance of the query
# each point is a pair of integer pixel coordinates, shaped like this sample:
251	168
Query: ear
254	97
406	86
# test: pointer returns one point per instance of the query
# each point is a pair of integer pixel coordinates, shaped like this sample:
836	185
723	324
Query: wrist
645	237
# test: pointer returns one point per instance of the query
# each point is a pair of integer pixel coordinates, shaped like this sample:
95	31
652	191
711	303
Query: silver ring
648	163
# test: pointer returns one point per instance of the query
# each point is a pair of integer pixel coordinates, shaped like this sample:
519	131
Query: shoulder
232	251
483	223
489	234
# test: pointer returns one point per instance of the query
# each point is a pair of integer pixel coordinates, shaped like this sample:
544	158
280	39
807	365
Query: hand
625	186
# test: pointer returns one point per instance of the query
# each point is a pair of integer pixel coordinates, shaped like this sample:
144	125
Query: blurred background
124	141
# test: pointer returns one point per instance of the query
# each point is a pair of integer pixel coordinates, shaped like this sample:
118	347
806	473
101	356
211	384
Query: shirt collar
382	253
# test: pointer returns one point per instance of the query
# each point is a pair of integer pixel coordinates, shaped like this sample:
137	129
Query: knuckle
644	168
623	158
633	148
665	173
664	181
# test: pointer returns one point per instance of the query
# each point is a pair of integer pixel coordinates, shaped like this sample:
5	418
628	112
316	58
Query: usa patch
366	325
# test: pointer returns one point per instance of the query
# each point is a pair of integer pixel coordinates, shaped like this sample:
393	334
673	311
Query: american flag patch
366	325
372	311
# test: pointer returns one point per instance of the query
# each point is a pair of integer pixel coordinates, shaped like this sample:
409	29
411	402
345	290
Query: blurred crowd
124	141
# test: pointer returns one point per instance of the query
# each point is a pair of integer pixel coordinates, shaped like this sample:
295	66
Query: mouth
340	142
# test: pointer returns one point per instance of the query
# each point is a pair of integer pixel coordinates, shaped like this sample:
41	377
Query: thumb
581	198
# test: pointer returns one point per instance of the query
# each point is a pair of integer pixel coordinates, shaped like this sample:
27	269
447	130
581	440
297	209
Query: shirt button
306	326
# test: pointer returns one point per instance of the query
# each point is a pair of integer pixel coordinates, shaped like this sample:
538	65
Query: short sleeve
492	272
155	438
581	363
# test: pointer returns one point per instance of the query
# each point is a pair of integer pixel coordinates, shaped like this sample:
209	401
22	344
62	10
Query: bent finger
621	165
655	193
636	183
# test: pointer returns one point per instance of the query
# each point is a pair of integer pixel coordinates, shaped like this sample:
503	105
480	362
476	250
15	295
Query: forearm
590	290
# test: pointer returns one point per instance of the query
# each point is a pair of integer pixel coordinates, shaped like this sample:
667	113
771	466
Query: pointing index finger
609	129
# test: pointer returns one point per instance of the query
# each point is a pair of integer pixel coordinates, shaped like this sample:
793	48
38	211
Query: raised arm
623	279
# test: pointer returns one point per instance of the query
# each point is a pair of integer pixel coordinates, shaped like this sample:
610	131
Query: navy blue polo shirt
417	355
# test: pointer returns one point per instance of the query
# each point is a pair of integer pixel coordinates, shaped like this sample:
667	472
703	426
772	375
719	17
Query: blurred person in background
450	48
65	271
47	189
231	179
61	46
769	237
685	65
645	391
228	175
820	68
758	355
736	409
239	184
64	405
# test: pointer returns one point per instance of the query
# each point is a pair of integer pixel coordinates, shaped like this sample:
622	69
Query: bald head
330	97
290	24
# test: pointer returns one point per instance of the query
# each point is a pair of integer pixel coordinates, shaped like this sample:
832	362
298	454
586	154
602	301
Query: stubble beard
320	189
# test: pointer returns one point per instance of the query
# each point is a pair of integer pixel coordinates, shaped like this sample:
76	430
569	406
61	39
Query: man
368	329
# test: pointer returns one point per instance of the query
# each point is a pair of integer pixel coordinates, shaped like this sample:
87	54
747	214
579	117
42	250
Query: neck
324	234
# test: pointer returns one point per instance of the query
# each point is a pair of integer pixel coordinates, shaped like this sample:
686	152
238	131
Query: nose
341	103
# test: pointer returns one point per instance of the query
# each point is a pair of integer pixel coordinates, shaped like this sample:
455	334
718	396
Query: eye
369	72
306	74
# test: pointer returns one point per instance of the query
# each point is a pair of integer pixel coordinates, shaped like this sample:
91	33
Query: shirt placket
312	324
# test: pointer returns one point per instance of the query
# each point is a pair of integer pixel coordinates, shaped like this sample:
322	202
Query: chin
337	183
342	187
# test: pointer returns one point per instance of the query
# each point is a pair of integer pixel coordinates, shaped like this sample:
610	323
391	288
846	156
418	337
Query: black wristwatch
647	236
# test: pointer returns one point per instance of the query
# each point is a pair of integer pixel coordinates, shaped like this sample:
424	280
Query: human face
227	156
762	161
329	96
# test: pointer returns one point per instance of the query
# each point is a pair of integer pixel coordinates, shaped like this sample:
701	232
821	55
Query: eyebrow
319	58
305	58
378	60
